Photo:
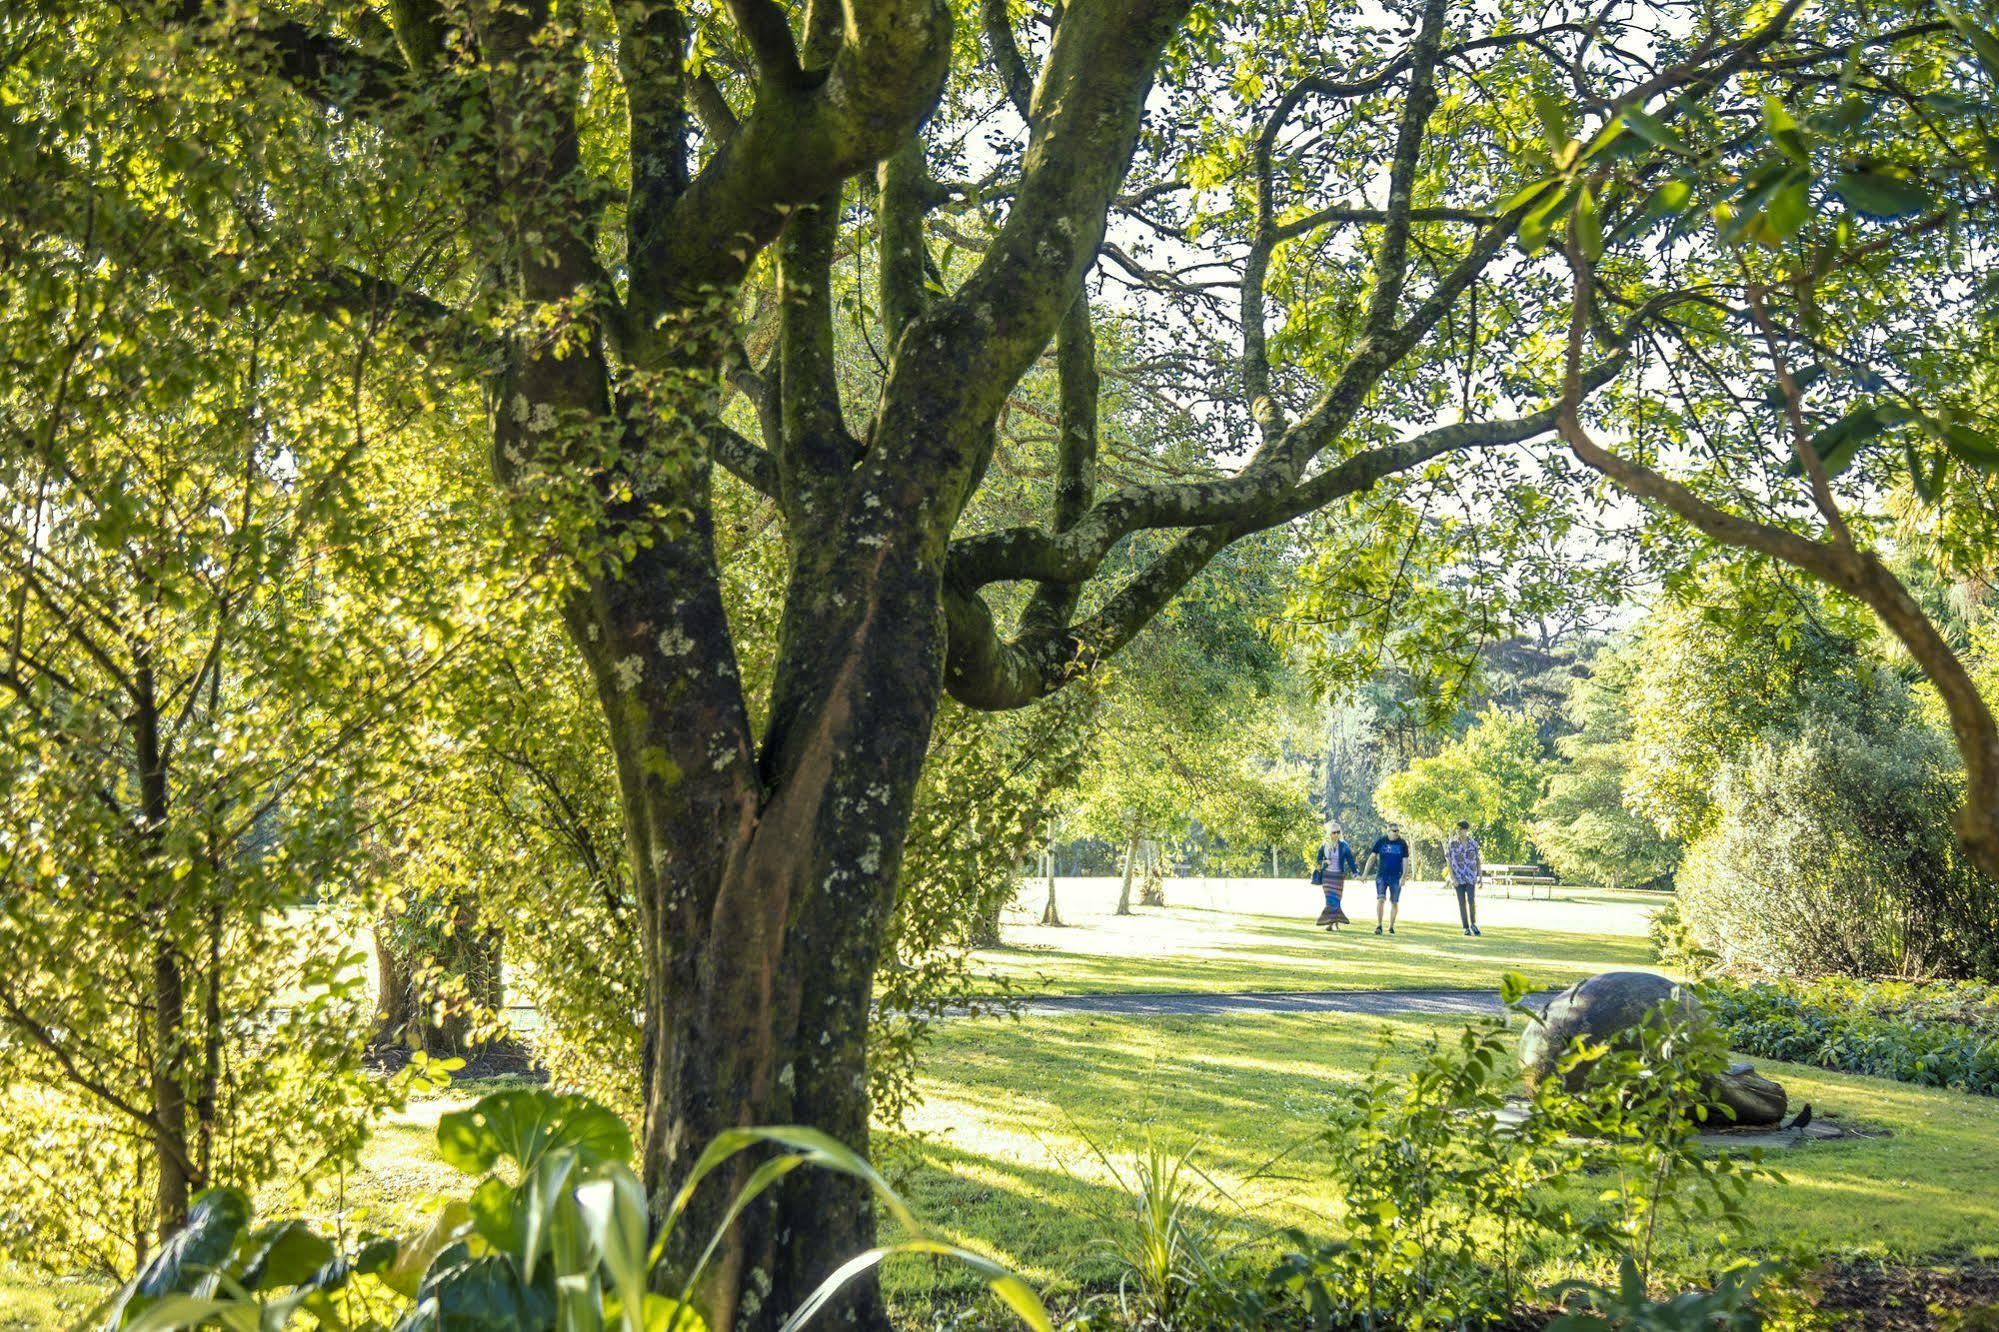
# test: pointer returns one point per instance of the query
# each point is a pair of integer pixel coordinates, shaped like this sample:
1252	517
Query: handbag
1319	875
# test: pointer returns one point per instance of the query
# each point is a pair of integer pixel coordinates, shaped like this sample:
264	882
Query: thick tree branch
802	138
1851	569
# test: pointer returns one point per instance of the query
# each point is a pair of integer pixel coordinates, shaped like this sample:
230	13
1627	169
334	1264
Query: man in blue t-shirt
1389	854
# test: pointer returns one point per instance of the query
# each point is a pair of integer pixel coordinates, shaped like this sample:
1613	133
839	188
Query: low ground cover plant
557	1233
1935	1034
1458	1197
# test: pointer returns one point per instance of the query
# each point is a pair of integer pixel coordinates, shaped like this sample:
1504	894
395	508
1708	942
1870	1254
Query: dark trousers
1467	904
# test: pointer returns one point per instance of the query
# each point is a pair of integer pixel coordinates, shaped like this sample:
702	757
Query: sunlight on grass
1257	934
1000	1151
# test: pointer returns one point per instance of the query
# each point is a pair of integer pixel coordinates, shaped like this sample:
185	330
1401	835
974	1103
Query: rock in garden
1604	1008
1601	1008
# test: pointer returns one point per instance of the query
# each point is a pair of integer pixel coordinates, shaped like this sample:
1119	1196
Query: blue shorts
1390	889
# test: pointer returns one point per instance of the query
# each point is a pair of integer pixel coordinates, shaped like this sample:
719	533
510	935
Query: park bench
1530	877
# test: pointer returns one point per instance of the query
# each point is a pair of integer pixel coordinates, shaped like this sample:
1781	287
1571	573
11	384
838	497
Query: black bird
1804	1118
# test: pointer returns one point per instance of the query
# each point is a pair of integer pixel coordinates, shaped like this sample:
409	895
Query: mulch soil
1883	1297
502	1059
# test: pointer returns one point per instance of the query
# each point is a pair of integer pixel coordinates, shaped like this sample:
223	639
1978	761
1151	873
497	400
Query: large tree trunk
766	875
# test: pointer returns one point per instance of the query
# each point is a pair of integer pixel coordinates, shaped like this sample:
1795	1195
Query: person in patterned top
1461	858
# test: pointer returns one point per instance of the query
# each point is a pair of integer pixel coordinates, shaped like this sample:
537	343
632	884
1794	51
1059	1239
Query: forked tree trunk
765	879
1130	863
1050	913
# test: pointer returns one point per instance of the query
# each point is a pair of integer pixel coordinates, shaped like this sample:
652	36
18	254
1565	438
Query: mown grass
1258	935
1001	1152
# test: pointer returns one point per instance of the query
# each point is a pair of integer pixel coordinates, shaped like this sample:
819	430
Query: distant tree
1491	776
1726	661
1583	823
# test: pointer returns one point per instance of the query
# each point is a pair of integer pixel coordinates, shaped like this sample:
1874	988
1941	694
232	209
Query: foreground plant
557	1234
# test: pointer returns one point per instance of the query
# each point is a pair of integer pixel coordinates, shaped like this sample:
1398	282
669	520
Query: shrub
1453	1206
1833	853
1939	1034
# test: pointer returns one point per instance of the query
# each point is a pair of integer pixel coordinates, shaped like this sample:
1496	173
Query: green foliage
1643	1102
557	1234
1161	1231
1936	1034
1453	1206
1832	851
1492	776
1582	823
1448	1208
1735	655
1731	1306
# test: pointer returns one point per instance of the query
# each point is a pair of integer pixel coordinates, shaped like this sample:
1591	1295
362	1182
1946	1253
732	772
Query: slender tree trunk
169	990
1152	892
1130	863
1050	915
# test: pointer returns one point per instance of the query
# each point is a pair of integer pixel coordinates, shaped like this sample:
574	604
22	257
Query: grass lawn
1001	1154
1217	935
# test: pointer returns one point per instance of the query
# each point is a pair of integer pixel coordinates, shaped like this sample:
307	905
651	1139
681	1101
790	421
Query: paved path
1376	1002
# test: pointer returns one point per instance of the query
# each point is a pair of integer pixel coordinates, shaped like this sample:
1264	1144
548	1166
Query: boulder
1601	1008
1604	1007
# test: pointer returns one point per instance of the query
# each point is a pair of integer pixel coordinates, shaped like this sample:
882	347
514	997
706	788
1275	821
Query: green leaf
1016	1294
1984	44
286	1254
1540	220
1782	127
1554	117
614	1212
1513	988
1839	443
1668	201
1588	224
1976	447
466	1294
1654	130
1880	195
523	1125
1525	194
199	1248
1788	210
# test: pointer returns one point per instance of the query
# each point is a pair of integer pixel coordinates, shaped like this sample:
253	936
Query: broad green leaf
284	1254
1782	127
467	1294
1654	130
1788	209
1554	117
414	1256
1588	224
1878	194
199	1248
522	1125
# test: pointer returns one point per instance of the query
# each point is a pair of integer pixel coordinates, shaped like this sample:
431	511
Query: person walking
1336	861
1462	862
1390	856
